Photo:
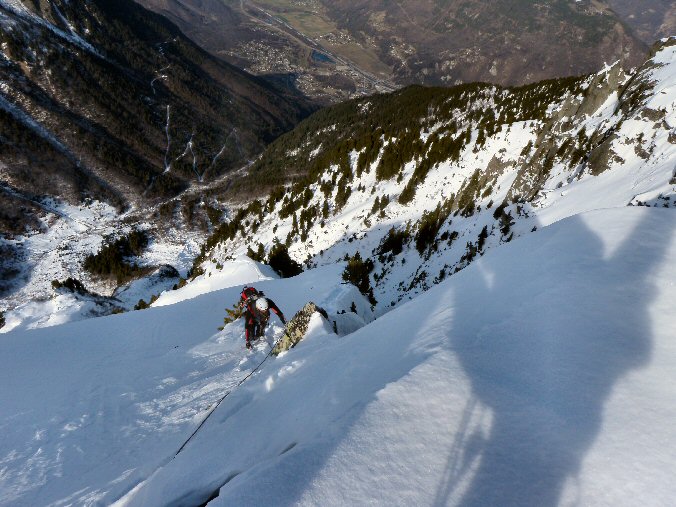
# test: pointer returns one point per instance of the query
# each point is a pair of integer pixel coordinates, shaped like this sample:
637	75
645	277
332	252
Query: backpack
249	295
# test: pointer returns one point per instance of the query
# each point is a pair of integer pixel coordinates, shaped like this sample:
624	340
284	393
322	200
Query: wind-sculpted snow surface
540	375
90	409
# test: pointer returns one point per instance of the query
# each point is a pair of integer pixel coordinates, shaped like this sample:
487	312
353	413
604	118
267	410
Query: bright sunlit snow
240	272
540	375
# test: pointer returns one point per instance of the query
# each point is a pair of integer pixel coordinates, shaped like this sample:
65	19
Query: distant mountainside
255	37
336	49
509	42
106	100
650	19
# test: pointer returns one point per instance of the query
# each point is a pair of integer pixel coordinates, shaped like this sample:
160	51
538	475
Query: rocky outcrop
297	327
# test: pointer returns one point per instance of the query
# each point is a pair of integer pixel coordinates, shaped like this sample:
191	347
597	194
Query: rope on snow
211	411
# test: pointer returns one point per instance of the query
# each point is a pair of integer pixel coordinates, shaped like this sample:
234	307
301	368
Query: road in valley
366	78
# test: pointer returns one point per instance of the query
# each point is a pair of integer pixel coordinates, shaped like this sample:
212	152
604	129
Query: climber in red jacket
257	313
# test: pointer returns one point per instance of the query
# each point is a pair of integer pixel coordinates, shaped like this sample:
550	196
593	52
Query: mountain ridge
415	185
111	101
446	174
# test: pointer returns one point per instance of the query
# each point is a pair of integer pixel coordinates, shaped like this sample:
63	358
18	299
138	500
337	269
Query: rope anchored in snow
211	411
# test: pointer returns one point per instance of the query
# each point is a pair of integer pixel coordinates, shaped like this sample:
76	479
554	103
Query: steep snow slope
89	409
540	375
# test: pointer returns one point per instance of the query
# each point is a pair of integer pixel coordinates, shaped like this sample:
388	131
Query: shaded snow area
540	375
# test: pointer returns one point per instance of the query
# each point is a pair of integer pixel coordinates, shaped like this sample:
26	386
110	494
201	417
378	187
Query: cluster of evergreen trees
278	259
282	263
425	126
357	273
70	284
504	219
317	152
393	244
113	259
224	232
429	225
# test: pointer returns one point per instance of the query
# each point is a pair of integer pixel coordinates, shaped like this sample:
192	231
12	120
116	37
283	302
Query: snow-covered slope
470	169
88	409
67	235
540	375
239	272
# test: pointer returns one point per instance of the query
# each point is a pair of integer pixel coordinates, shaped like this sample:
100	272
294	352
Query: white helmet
262	305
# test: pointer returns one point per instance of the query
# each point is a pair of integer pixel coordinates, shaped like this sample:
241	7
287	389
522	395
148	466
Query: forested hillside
424	180
110	101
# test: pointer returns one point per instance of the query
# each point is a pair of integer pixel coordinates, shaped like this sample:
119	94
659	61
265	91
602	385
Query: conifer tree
357	273
282	263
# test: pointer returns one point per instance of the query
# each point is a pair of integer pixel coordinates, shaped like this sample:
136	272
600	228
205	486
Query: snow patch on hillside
57	251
